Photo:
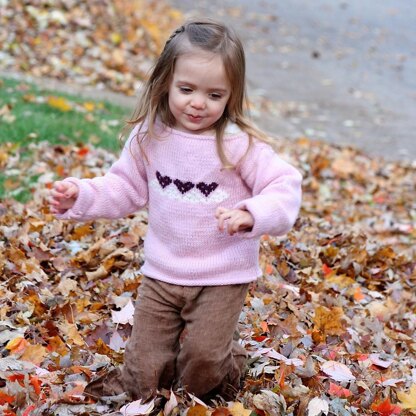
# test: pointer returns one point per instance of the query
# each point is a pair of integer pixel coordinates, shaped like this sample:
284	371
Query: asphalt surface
339	71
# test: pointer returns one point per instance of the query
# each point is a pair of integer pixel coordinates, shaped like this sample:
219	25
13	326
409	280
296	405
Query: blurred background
341	71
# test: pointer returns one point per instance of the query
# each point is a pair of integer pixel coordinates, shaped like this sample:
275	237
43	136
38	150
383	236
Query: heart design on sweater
163	180
183	187
206	189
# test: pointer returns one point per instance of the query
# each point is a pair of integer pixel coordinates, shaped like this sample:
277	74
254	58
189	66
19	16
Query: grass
29	114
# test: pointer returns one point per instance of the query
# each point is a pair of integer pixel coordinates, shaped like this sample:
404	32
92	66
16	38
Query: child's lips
194	117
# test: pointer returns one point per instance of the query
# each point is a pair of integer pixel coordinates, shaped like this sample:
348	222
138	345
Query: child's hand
63	196
237	220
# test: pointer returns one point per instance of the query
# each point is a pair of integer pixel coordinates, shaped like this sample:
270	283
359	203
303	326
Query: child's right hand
63	196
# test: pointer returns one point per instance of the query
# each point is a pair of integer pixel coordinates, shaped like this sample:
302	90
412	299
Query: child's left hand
237	220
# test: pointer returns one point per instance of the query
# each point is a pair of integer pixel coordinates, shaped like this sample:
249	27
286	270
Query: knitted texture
182	184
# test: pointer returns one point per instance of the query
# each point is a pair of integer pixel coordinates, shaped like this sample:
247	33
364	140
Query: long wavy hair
207	35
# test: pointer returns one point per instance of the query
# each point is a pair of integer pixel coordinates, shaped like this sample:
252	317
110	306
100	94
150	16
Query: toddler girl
212	186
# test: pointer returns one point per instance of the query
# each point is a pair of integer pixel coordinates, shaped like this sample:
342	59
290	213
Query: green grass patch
30	114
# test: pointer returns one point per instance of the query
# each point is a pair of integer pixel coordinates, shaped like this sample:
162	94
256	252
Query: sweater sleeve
121	191
276	191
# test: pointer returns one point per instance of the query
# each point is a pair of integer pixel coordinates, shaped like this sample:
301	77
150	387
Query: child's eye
216	96
185	90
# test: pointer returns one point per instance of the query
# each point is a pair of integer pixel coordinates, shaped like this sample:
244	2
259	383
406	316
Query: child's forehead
195	55
202	66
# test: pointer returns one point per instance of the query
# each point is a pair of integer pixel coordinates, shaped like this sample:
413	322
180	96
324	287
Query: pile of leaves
109	43
329	327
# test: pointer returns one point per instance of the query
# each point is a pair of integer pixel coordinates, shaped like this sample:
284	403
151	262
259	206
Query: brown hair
211	36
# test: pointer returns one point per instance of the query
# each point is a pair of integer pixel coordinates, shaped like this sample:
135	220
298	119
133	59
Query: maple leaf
408	401
339	391
386	408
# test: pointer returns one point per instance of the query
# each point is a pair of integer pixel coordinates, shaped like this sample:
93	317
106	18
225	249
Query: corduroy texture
182	184
207	360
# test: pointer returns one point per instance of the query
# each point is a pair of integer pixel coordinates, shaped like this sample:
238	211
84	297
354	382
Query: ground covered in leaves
107	43
329	327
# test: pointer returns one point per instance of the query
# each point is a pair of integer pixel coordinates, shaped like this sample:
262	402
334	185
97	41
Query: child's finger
219	211
71	191
222	218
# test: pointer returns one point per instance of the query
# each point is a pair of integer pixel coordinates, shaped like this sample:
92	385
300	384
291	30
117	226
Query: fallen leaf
408	400
386	408
317	406
237	409
337	371
137	408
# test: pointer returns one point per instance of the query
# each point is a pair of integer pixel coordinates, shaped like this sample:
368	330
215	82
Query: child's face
198	92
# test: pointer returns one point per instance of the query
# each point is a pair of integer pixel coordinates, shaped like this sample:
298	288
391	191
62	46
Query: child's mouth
194	118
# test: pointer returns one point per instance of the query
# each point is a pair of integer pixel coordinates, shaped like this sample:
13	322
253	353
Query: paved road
337	70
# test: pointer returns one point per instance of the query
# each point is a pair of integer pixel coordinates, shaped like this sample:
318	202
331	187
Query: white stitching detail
194	196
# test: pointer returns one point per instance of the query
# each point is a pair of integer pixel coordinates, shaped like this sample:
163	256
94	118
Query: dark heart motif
163	180
207	189
183	186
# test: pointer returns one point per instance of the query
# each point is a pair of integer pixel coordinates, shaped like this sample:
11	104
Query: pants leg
150	356
209	360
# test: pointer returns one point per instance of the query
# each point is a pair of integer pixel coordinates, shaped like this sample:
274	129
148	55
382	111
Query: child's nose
198	101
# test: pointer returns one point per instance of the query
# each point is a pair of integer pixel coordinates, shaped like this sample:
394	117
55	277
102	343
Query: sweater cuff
264	223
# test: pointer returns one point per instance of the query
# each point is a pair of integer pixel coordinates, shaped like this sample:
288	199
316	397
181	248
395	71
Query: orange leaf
197	410
386	408
36	383
221	411
28	410
17	345
264	326
358	294
269	269
5	398
327	270
17	377
339	391
57	345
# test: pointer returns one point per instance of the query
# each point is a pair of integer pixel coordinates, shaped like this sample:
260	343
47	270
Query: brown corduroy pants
183	337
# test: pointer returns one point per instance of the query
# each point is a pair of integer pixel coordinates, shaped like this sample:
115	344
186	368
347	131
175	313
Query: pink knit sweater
182	184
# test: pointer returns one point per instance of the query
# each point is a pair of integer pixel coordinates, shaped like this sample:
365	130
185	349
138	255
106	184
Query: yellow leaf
408	401
89	106
175	14
34	353
341	280
60	103
116	38
71	333
237	409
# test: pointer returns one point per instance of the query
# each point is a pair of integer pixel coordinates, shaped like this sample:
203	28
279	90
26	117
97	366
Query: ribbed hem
234	277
